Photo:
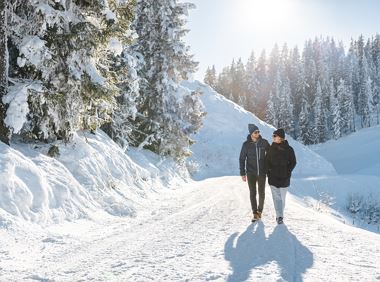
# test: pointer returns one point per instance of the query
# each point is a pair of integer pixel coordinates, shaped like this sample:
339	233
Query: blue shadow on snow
253	250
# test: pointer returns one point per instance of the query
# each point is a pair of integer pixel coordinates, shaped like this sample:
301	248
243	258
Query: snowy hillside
91	175
358	153
218	143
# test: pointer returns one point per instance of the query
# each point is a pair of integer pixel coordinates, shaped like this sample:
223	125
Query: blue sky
221	30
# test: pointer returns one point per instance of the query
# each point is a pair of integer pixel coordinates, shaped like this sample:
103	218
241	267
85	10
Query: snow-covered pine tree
285	109
210	77
251	83
239	81
345	100
310	72
376	76
320	130
223	85
335	112
305	127
4	131
61	64
262	86
167	117
120	69
271	111
297	86
273	68
370	99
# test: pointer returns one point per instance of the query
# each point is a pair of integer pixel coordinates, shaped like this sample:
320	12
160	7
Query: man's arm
292	159
268	162
242	159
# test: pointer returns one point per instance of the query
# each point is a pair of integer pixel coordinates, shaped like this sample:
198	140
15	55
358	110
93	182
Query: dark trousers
260	180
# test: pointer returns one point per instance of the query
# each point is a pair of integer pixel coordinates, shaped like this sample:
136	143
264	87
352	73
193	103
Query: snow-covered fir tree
305	126
346	104
336	113
210	77
320	129
169	114
271	111
251	83
4	131
62	56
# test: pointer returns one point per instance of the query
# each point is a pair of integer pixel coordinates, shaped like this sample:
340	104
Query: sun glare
264	15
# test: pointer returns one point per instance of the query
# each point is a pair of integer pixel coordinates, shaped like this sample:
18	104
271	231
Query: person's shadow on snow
253	250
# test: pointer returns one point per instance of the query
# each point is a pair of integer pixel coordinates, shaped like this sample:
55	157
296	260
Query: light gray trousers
278	195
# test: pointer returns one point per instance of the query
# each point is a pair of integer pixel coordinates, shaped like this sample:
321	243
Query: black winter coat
280	162
252	156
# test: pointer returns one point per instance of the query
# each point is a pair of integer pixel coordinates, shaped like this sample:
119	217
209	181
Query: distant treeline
321	93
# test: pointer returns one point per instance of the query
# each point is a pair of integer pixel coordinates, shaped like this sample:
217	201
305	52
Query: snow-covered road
200	232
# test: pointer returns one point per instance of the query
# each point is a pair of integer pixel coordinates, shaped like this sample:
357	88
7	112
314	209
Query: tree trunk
4	131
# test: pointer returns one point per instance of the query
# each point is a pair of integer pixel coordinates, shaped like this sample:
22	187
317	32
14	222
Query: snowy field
97	214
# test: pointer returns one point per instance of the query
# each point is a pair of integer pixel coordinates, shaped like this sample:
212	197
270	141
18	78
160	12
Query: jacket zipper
257	159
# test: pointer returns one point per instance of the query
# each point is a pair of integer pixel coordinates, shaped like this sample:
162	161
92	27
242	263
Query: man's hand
244	178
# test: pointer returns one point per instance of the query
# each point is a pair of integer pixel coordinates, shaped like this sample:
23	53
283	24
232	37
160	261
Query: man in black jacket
252	167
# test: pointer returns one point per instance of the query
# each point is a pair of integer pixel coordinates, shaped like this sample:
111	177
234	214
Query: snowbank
356	153
217	148
92	174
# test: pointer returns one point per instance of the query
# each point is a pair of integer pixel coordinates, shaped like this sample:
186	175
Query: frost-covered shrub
366	208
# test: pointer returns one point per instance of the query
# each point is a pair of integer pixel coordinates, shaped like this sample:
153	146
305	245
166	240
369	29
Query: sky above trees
221	30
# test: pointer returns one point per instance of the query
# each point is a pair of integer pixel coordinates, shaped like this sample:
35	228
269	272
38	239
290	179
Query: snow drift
91	174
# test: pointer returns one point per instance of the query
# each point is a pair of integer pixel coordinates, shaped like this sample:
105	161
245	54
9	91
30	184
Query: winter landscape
120	162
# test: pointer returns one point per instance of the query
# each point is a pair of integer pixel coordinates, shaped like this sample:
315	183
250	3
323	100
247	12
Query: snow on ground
91	174
201	232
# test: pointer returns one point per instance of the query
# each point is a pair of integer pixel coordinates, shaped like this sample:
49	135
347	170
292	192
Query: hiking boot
259	214
255	217
280	220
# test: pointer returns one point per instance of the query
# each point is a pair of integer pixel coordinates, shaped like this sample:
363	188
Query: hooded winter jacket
252	156
280	162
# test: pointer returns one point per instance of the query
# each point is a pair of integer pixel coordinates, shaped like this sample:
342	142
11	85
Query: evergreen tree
304	123
64	53
210	77
166	123
262	86
336	117
223	85
4	131
239	81
271	111
345	100
285	109
320	118
251	83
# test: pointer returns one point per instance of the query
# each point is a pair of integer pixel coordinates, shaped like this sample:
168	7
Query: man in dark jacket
279	162
252	167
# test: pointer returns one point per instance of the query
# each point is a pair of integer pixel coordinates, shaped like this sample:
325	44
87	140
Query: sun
264	15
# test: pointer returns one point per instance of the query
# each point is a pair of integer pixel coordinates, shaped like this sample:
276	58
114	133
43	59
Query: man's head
253	130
